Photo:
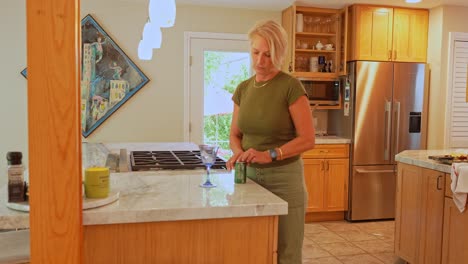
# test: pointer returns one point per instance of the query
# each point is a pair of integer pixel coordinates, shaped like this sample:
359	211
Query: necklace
261	85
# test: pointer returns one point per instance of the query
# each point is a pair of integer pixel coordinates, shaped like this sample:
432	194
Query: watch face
273	154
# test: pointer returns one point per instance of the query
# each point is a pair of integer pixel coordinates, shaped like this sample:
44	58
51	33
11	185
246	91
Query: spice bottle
16	188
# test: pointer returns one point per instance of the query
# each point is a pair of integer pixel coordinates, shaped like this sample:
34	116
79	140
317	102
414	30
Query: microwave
322	92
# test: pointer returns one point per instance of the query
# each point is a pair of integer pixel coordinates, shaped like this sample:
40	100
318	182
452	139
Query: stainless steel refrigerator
386	116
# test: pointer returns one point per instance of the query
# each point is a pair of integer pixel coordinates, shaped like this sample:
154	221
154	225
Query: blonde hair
275	36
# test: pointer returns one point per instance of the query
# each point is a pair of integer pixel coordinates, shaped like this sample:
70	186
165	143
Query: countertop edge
127	217
331	140
419	158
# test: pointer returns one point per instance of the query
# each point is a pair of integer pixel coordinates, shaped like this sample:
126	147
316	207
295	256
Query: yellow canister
97	182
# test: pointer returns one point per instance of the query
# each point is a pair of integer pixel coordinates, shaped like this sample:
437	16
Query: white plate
88	203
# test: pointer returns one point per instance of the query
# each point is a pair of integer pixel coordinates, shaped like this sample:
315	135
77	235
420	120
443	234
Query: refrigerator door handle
387	130
374	171
397	125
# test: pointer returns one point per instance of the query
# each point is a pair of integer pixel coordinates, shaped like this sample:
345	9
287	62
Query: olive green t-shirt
264	118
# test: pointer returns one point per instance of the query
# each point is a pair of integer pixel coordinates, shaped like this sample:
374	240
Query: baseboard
324	216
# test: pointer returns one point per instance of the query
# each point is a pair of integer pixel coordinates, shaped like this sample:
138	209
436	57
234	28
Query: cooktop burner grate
170	160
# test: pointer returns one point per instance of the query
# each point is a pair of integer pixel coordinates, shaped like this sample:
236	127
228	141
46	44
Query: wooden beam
53	49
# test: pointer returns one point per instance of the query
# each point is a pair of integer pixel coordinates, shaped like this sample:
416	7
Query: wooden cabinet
326	170
455	242
371	33
319	25
429	228
419	214
407	201
410	29
455	235
223	240
388	34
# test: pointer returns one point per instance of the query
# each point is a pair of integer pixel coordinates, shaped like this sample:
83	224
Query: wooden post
53	49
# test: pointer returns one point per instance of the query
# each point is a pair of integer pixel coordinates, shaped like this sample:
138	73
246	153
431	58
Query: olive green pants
286	182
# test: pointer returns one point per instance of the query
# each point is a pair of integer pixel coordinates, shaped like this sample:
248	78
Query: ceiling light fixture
413	1
162	14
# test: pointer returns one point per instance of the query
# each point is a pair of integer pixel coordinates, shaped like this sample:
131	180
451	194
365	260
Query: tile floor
343	242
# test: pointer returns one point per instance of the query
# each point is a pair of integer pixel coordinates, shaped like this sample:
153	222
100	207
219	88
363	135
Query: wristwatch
273	154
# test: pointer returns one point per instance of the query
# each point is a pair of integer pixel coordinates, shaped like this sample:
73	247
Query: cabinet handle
324	151
394	55
290	67
328	165
374	171
438	182
321	165
390	55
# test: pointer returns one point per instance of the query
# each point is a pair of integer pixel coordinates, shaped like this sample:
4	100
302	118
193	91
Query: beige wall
436	93
156	112
442	20
13	98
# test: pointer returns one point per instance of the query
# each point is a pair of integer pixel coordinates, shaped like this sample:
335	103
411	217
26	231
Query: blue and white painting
109	78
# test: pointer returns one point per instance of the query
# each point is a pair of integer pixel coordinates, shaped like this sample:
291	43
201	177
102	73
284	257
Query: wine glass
328	22
316	24
308	23
208	156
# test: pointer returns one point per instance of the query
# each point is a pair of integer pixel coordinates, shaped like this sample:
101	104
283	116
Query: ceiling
278	5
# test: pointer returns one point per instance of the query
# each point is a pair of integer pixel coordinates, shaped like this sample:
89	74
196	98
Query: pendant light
162	14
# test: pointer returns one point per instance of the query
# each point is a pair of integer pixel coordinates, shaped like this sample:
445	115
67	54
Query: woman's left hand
254	156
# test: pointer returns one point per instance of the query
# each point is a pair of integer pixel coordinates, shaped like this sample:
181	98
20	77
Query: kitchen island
165	217
429	228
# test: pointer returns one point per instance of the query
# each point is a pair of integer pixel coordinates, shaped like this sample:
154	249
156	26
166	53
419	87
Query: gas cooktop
170	160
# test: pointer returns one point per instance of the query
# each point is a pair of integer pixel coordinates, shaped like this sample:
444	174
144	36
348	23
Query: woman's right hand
232	161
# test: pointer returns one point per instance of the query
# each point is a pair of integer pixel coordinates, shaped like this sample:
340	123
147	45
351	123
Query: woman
271	126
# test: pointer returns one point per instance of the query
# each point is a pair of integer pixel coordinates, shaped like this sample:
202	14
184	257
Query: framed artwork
24	72
109	78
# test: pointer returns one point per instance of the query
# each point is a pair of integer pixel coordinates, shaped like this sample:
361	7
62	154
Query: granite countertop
176	195
169	196
420	158
165	195
331	140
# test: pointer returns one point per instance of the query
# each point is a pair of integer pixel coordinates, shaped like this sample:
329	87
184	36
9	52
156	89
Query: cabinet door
432	208
410	28
419	214
336	181
323	151
343	35
372	39
407	217
455	243
288	20
314	180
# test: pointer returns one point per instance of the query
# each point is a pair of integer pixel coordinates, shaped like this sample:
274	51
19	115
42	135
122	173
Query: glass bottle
16	185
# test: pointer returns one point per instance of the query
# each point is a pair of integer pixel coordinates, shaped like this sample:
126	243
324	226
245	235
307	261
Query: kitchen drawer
327	151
